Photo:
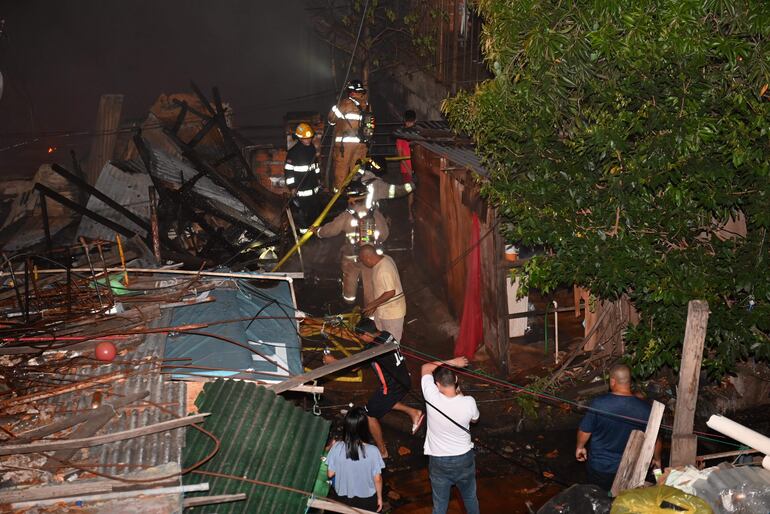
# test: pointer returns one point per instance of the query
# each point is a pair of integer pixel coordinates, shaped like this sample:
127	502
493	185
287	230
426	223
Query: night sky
58	57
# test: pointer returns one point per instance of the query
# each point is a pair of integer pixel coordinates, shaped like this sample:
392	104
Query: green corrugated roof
263	437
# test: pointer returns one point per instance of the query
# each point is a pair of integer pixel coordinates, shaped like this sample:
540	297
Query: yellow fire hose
317	223
337	336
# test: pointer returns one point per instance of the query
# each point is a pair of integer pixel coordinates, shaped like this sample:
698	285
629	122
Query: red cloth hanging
471	328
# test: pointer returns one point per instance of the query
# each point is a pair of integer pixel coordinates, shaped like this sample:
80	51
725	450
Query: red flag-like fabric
471	329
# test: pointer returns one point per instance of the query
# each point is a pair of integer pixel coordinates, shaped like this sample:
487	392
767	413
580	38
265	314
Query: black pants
603	480
305	210
359	503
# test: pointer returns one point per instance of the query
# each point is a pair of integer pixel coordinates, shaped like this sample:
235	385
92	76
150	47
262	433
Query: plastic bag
660	499
578	499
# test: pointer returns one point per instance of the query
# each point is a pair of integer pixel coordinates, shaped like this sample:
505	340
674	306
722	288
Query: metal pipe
15	282
93	273
221	274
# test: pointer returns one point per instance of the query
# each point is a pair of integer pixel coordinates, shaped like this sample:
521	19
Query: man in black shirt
301	172
394	379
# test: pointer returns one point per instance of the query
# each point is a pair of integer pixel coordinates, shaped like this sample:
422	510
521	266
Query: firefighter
353	129
377	188
362	223
301	172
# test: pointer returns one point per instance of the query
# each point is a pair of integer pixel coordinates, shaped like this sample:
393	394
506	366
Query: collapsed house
178	181
128	384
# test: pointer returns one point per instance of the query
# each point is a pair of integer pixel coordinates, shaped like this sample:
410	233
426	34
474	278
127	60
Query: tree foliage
620	135
393	31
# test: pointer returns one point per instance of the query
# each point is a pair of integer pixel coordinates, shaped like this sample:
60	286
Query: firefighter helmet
356	189
369	164
304	131
355	86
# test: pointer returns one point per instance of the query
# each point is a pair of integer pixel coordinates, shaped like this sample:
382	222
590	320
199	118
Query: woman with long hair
355	465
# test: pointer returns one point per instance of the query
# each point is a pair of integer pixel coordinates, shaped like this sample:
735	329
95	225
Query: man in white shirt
389	304
448	441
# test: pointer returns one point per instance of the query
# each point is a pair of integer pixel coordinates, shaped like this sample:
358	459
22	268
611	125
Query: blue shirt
609	421
354	478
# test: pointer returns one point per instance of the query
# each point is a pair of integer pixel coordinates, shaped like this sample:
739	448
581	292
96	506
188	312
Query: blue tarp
266	324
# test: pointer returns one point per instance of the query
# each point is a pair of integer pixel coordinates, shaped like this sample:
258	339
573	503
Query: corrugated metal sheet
127	189
273	331
127	183
264	437
459	156
423	130
141	452
743	489
174	171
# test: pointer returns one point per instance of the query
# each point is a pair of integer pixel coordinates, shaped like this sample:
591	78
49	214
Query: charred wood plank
53	195
180	117
82	184
210	124
88	442
76	419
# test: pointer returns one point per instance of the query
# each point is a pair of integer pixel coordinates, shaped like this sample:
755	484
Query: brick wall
267	163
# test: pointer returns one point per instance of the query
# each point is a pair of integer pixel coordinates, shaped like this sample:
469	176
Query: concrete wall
417	90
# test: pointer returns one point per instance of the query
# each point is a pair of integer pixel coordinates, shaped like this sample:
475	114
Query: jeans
459	470
603	480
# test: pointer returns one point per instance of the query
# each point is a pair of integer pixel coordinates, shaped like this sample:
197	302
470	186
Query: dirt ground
520	465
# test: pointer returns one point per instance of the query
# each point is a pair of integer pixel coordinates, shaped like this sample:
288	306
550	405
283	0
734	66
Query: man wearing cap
389	304
394	380
353	126
301	171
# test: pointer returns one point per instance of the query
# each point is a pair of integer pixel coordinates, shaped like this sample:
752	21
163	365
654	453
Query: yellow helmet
303	131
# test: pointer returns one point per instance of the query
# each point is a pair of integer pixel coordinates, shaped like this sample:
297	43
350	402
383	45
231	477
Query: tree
622	135
392	32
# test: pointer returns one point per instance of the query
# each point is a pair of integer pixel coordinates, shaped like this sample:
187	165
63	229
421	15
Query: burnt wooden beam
46	222
237	191
335	366
92	423
87	442
210	124
63	200
75	419
180	117
224	159
202	98
82	184
231	145
201	115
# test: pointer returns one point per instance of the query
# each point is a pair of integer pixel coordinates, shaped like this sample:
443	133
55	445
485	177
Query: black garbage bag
579	499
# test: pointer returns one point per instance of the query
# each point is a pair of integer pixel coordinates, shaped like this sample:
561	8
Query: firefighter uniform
301	173
353	125
361	225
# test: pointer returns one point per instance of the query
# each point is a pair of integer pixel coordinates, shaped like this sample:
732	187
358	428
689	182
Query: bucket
511	253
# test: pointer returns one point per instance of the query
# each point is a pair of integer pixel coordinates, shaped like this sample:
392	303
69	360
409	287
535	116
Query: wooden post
103	143
154	224
684	444
638	453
